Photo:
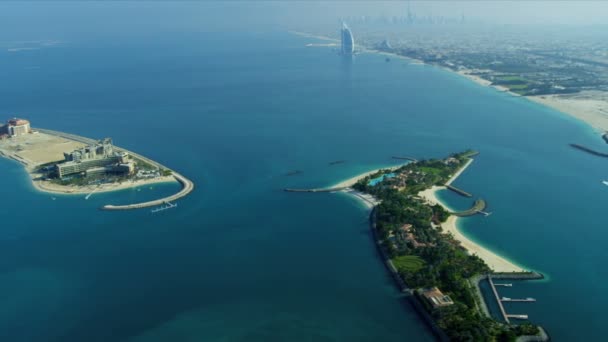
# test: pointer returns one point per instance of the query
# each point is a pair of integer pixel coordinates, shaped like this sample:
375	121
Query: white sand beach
588	106
495	261
353	180
46	186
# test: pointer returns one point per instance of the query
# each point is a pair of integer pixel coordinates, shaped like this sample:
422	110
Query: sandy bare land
588	106
37	149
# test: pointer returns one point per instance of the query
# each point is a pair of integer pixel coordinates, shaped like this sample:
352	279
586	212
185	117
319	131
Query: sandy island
493	260
33	150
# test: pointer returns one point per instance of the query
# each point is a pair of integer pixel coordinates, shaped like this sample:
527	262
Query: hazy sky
64	20
502	12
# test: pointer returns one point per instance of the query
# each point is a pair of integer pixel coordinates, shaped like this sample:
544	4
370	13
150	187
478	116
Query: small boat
605	182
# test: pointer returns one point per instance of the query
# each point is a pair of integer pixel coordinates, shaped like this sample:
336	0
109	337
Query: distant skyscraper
348	42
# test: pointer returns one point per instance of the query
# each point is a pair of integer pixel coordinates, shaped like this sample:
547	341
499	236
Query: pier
500	306
507	299
590	151
477	208
187	185
405	158
164	207
317	190
458	191
500	300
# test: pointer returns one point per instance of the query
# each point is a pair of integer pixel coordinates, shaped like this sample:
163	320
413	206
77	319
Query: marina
168	206
499	300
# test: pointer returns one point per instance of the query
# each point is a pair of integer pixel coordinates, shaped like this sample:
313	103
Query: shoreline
48	187
349	182
589	107
30	164
496	262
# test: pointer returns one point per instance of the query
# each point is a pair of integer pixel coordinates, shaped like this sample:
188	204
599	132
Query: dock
169	205
590	151
317	190
477	208
507	299
458	191
500	306
405	158
500	300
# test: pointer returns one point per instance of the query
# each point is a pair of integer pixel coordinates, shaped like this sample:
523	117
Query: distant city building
95	159
348	42
385	45
16	127
436	297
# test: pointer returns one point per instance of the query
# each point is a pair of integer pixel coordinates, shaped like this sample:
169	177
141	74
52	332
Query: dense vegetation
410	231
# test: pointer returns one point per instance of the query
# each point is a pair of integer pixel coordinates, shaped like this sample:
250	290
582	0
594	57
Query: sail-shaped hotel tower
348	42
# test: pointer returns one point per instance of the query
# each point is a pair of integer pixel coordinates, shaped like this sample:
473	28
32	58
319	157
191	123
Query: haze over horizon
62	18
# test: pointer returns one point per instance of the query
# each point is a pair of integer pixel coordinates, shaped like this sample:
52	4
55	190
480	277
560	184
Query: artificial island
65	163
433	263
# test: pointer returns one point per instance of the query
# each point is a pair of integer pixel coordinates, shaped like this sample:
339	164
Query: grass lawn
430	170
517	86
408	263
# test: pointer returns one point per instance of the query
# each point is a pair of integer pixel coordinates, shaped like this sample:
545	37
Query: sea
241	260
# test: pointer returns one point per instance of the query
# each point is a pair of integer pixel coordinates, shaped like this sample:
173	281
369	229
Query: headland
418	238
63	163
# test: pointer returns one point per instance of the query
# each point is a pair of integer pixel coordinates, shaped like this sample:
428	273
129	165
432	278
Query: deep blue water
241	260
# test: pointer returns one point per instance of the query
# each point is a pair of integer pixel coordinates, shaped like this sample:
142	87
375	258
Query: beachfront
493	260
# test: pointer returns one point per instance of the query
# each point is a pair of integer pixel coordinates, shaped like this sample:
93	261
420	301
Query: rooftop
436	297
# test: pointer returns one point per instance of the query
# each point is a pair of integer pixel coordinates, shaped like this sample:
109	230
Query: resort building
348	42
16	127
94	160
436	298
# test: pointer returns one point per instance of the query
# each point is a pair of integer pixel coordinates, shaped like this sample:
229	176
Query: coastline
496	262
353	180
46	186
590	107
37	156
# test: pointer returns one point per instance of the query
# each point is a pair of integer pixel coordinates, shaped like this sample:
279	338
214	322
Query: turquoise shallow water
240	260
375	181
